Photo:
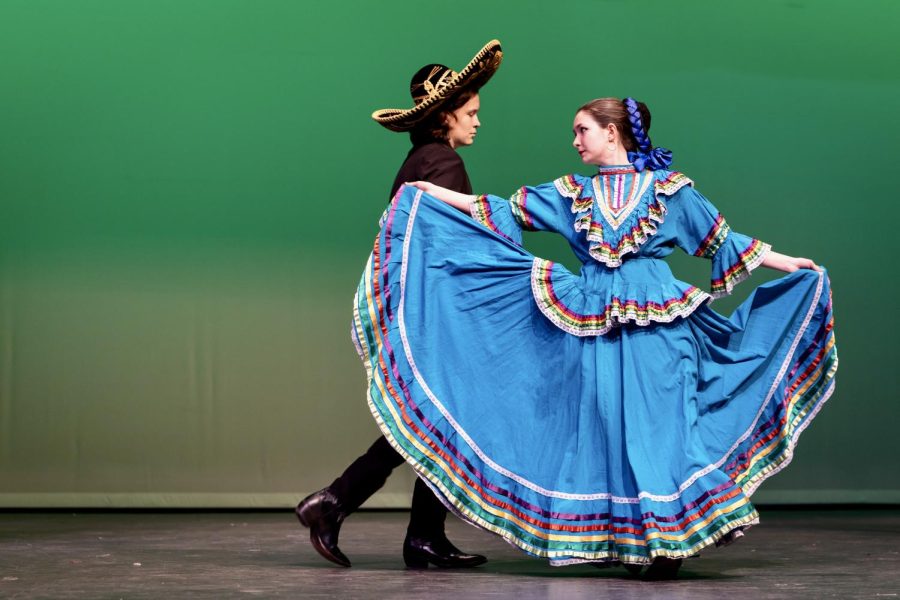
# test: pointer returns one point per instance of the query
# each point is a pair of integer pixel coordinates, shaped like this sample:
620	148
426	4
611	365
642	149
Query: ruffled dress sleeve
701	230
531	208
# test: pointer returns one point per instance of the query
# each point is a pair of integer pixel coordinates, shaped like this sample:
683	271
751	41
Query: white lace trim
615	317
744	273
617	219
630	243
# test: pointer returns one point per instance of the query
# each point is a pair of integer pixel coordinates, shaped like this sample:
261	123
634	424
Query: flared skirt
645	441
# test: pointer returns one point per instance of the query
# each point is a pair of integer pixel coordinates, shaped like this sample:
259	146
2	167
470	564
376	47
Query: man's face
463	123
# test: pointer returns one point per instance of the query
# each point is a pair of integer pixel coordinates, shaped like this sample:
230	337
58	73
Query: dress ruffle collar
618	227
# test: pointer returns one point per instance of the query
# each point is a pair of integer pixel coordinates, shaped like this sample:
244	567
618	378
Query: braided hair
646	155
637	126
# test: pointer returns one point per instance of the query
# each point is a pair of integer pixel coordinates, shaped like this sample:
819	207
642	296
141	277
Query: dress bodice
620	223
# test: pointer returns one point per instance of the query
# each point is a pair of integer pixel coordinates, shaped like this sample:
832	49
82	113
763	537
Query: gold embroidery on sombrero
436	87
426	84
429	95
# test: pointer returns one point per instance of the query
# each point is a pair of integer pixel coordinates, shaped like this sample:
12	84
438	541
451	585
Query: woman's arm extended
788	264
454	199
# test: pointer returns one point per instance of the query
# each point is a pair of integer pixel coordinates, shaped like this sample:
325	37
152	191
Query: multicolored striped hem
640	232
672	182
480	209
568	187
564	539
808	380
519	204
594	229
714	239
617	312
748	260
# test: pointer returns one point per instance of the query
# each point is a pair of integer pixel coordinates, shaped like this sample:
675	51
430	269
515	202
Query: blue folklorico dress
606	416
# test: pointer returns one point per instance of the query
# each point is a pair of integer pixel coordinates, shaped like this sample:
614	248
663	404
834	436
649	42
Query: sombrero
433	84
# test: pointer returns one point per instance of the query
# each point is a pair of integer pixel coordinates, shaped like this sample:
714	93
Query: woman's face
594	143
463	123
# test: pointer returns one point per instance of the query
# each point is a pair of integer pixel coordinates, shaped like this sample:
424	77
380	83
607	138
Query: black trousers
367	474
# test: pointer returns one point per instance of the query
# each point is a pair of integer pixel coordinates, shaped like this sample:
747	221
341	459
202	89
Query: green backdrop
189	190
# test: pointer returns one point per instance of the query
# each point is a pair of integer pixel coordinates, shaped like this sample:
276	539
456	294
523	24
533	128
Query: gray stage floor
792	554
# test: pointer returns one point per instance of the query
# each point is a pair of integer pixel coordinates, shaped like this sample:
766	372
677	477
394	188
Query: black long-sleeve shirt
437	163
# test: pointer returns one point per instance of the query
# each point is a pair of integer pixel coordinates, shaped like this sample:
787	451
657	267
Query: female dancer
605	417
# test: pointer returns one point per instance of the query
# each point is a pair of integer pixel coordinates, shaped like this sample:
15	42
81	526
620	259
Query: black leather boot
418	552
322	513
662	568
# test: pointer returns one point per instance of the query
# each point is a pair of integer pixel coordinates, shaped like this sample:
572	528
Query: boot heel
414	560
322	513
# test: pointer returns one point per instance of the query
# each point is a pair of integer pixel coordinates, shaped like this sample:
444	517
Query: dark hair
612	110
434	127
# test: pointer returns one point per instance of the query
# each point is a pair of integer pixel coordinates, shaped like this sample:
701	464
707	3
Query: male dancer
444	117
